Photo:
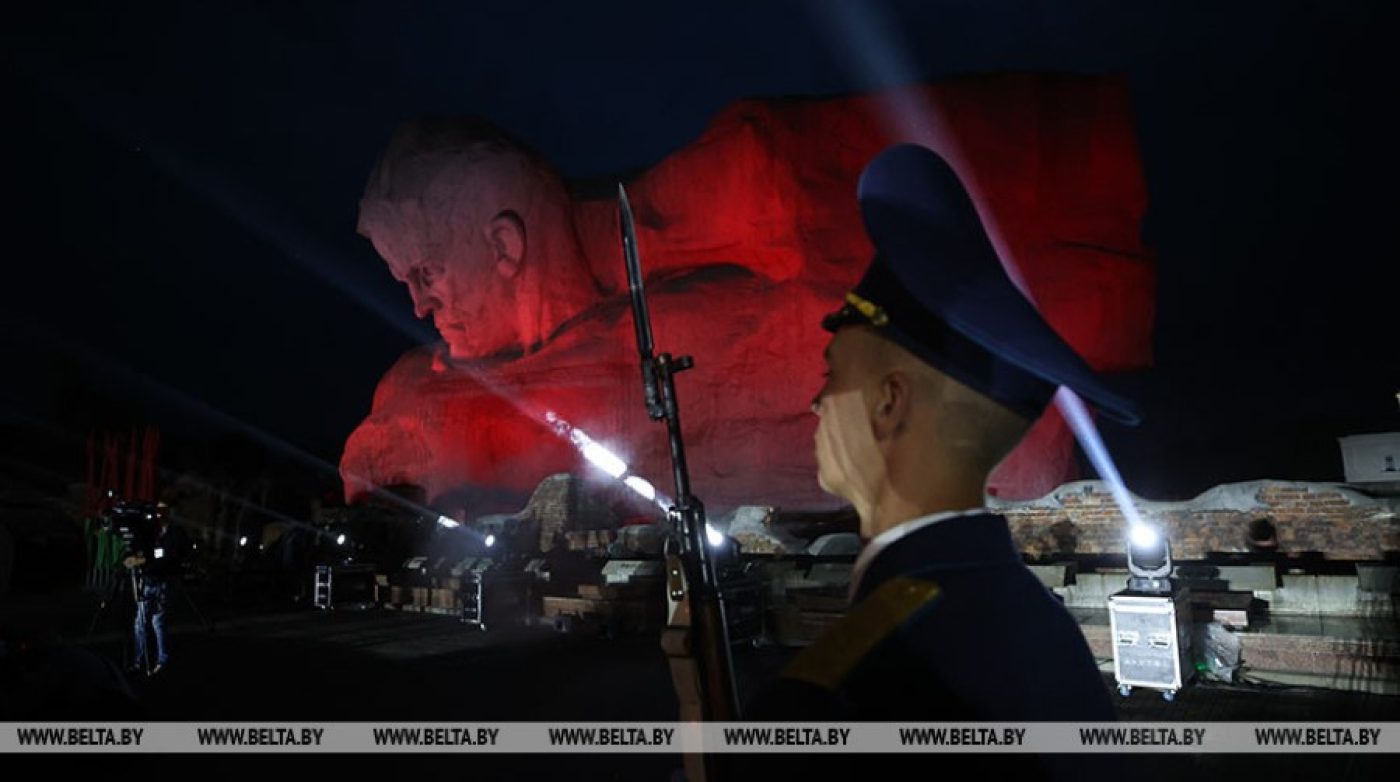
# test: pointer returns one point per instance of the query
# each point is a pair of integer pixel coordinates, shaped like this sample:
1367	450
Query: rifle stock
697	636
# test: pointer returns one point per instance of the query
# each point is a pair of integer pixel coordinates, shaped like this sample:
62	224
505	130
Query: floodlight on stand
1149	559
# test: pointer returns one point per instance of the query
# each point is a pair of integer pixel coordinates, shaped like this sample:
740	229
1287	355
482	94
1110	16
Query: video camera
134	523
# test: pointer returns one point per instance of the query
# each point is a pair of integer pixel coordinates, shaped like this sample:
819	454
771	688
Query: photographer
157	564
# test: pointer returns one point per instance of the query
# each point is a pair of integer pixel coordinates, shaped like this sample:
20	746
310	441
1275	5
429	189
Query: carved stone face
451	226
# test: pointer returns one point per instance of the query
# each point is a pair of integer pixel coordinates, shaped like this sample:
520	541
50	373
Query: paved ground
284	663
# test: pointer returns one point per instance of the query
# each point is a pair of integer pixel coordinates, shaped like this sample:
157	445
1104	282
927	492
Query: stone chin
463	349
464	344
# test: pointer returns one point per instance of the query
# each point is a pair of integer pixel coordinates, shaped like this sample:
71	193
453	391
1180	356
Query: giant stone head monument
747	235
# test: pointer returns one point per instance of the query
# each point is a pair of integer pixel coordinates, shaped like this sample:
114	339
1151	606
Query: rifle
696	639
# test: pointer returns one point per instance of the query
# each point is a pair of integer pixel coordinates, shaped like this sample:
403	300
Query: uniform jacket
946	624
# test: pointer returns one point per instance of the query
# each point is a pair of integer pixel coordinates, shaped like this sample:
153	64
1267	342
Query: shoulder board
826	662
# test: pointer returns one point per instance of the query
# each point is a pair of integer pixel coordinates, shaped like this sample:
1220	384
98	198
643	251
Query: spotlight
448	522
714	536
724	551
243	541
340	539
1149	559
490	541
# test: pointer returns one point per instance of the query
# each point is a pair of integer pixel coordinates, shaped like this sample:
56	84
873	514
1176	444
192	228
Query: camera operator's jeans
152	610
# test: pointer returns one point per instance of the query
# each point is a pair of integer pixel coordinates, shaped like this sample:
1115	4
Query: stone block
1053	576
1337	595
831	573
1298	595
1252	578
1383	579
1091	590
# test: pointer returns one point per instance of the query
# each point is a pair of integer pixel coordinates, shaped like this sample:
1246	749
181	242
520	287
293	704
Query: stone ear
506	235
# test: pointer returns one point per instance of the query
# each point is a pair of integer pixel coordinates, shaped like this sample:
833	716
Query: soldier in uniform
936	368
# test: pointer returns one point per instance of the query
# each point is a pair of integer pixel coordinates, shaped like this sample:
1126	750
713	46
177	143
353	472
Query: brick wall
1328	518
560	508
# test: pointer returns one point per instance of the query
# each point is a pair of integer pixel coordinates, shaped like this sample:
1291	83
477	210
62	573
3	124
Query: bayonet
641	319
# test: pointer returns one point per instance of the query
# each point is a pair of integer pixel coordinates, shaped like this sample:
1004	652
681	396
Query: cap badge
869	309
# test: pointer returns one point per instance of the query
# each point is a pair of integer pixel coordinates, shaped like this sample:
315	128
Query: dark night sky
180	186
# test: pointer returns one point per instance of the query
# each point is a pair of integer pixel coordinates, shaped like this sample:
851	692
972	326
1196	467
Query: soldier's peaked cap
937	287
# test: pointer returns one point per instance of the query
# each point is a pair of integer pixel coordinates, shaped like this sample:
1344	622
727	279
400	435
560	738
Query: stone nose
424	303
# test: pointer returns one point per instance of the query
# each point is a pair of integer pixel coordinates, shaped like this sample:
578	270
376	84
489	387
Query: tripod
133	582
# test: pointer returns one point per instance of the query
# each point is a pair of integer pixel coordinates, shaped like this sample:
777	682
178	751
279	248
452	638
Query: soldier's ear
890	405
506	235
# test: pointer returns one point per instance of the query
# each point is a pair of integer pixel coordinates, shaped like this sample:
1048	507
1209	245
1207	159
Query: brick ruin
1330	520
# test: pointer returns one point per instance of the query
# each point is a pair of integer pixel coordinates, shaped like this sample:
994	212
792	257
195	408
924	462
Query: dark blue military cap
937	288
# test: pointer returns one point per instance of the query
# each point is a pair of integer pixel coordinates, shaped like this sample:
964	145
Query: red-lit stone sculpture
748	235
